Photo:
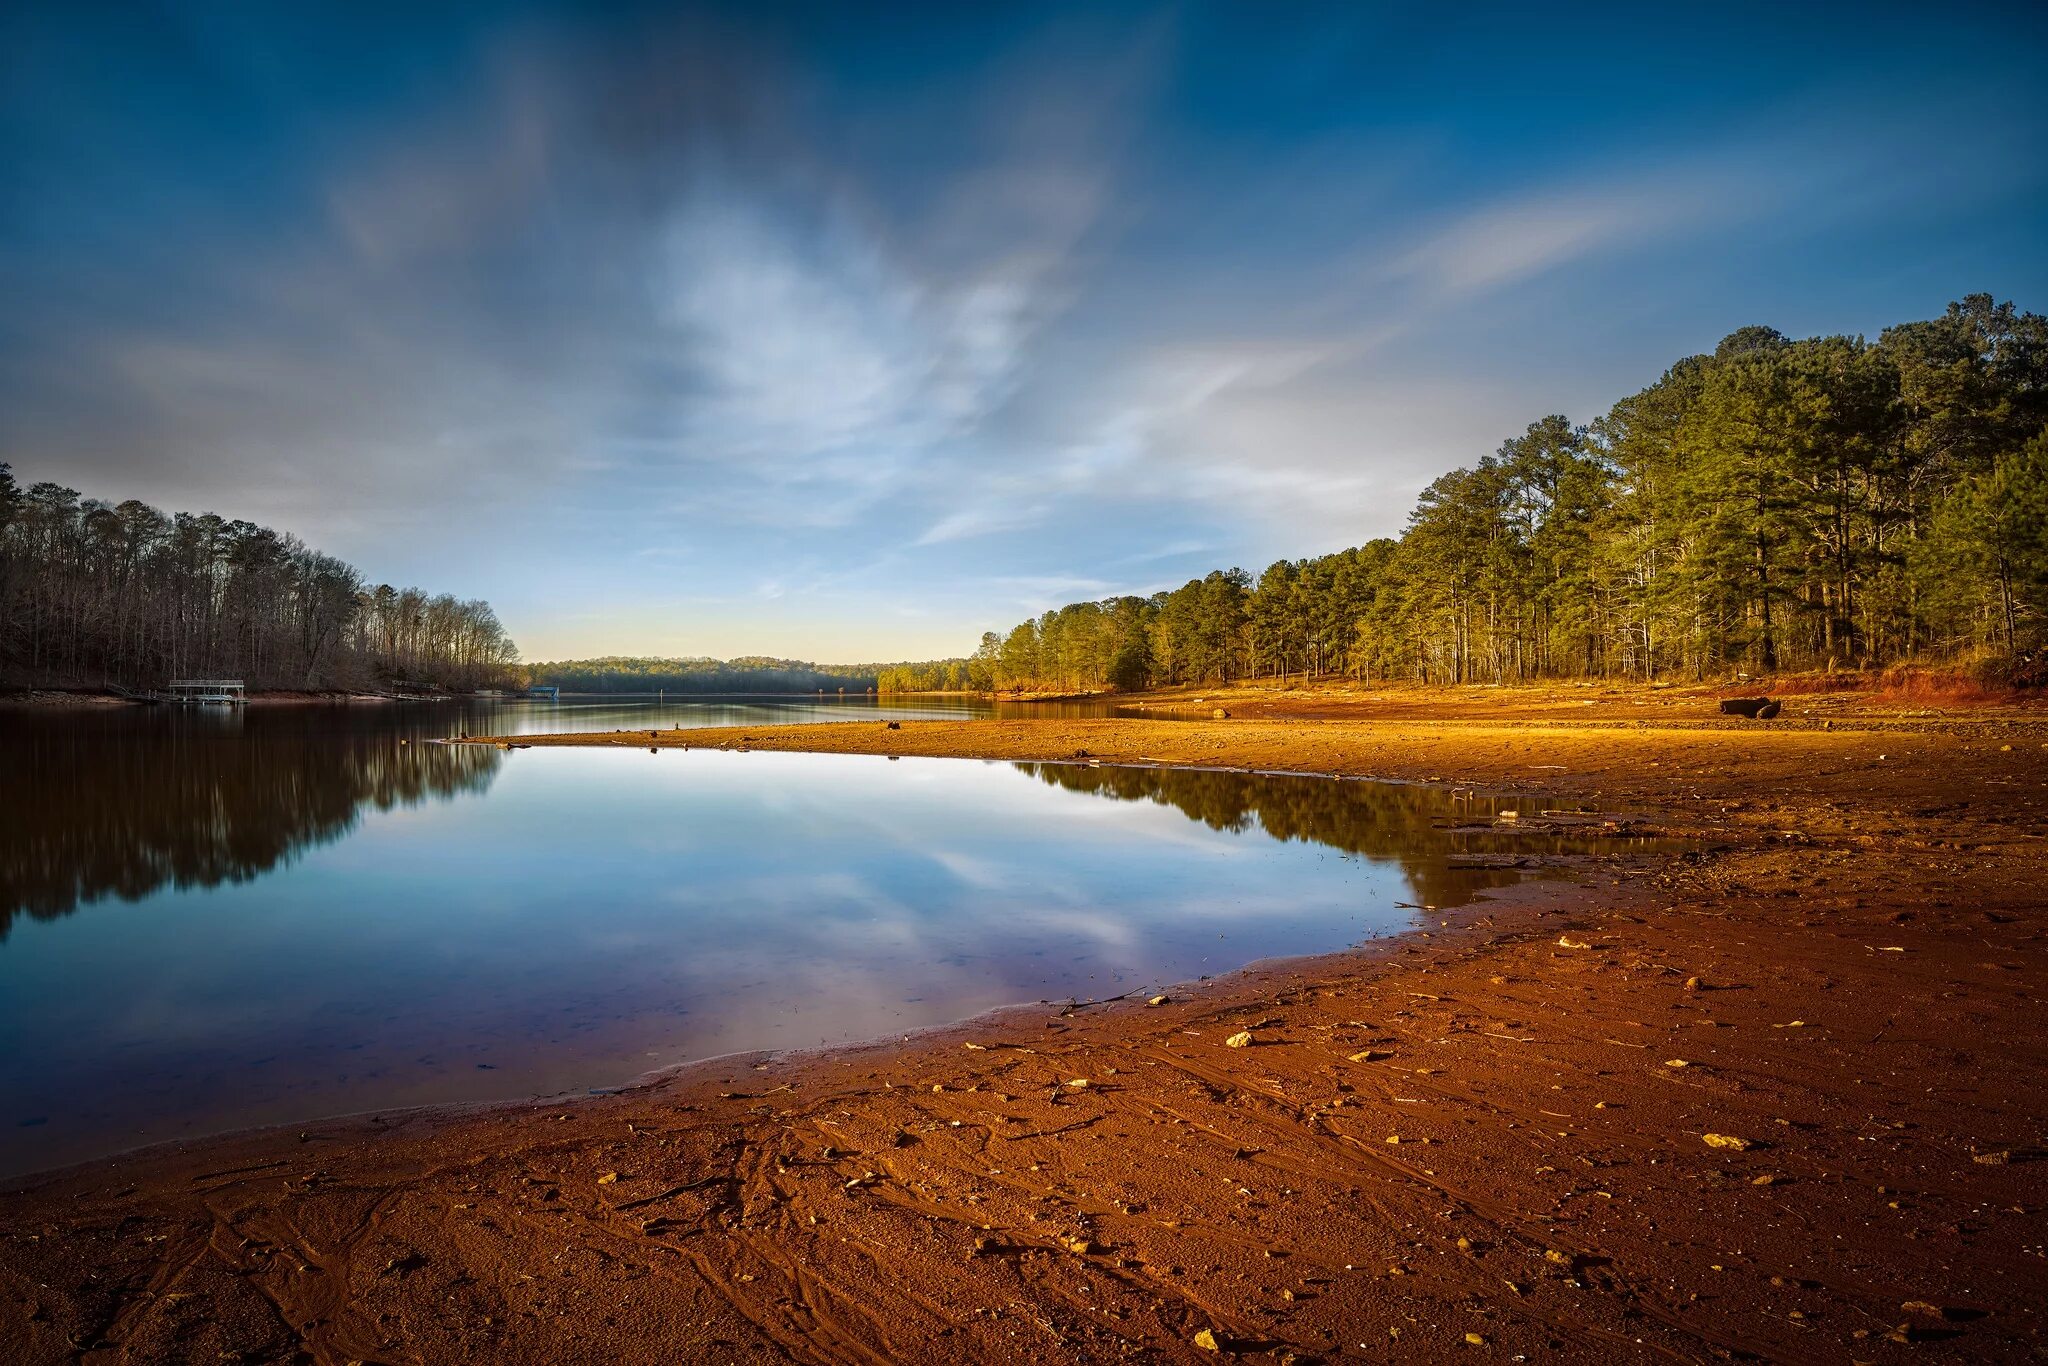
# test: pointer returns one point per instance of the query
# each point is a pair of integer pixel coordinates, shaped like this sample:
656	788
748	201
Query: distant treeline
938	675
750	673
1775	505
94	593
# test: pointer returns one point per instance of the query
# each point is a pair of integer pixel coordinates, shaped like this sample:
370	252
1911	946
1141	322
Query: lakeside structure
219	692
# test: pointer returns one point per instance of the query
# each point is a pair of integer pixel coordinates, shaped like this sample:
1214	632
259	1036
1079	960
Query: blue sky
846	332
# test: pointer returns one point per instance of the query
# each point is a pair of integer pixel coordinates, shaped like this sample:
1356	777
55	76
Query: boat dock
219	692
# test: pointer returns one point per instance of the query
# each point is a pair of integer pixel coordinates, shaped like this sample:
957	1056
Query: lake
214	919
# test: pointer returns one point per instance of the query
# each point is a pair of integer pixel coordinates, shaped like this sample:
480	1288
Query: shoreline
954	1195
75	698
1363	954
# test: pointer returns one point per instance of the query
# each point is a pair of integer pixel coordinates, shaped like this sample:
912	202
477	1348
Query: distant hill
749	673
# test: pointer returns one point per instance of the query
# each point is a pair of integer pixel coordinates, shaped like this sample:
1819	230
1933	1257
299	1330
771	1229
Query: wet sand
1488	1138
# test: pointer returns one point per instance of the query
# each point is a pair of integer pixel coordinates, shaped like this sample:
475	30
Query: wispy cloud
1506	242
674	314
983	520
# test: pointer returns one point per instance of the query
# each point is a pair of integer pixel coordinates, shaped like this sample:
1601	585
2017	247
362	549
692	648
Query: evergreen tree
1774	504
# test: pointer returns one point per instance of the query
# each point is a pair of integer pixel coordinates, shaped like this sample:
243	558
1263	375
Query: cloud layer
700	333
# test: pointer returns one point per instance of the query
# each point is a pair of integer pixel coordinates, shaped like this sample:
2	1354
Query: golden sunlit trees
1827	502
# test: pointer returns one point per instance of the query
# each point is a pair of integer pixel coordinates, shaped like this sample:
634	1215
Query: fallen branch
1072	1006
674	1191
1047	1133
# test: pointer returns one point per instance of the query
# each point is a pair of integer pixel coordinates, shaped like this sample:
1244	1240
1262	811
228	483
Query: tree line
750	673
938	675
1778	504
96	593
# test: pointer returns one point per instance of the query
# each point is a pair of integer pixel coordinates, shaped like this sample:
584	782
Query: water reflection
1425	831
593	712
307	912
97	806
122	802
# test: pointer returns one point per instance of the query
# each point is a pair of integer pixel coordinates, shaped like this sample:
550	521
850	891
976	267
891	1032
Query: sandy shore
1492	1138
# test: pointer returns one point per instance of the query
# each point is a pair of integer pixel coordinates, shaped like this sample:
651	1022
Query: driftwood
1756	708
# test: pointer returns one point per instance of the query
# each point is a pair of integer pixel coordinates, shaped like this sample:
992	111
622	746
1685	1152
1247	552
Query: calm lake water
210	920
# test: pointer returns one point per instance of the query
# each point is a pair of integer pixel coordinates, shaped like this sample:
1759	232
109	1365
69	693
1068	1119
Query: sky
845	332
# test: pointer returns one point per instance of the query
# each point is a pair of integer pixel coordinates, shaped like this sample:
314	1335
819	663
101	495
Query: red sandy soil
1849	968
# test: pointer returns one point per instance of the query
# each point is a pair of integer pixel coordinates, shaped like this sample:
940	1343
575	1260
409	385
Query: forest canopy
96	593
1829	503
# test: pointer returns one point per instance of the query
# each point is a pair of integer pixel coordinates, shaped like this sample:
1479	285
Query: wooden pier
215	692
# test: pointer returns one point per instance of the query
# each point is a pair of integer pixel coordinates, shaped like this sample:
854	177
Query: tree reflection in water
124	803
1417	828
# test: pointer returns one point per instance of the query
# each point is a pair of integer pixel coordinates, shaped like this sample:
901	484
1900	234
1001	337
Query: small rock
1158	1000
1207	1341
1370	1055
1241	1039
1565	941
608	1179
1728	1141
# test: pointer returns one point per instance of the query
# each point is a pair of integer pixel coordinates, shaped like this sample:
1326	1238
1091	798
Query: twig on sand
1046	1133
1072	1006
673	1191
